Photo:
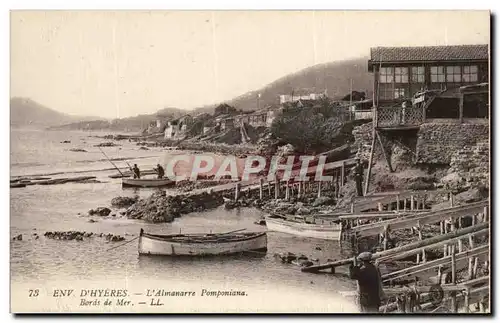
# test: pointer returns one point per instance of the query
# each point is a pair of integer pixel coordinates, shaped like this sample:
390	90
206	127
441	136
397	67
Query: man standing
358	176
369	283
136	171
160	171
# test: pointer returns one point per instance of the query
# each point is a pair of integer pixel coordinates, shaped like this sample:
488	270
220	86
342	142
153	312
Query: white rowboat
146	182
201	244
329	231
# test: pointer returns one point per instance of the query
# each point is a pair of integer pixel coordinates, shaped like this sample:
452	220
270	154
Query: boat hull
161	246
317	231
134	182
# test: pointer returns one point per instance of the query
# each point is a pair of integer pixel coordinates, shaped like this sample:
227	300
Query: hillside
130	124
25	112
334	77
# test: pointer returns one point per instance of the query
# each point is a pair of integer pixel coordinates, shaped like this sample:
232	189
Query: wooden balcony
394	118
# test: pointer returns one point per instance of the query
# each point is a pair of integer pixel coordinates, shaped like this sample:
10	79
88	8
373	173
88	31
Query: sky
117	64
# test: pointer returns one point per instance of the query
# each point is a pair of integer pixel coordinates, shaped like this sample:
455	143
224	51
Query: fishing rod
111	162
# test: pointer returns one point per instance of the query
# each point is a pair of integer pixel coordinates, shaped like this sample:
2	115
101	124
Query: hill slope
334	77
26	112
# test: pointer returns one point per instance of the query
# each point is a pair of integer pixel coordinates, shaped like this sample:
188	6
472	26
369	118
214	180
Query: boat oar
231	231
111	162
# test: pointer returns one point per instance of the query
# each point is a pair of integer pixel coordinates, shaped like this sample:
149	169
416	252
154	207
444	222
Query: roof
429	53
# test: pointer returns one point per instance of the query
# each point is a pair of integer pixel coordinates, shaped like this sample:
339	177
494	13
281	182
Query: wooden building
401	72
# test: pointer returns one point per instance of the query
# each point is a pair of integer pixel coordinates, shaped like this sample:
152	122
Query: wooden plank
436	263
370	163
409	247
424	218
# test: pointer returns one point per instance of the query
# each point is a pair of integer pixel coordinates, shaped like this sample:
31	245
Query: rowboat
146	182
327	230
201	244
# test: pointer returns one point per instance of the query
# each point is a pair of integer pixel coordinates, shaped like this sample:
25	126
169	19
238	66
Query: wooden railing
399	117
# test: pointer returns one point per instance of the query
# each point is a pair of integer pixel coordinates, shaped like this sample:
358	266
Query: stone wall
437	142
469	167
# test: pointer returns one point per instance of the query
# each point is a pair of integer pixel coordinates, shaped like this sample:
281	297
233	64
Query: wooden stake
287	190
237	191
299	191
397	203
319	189
451	199
276	189
412	202
367	183
261	189
342	174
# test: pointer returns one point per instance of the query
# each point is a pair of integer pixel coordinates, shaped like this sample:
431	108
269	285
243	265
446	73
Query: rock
106	144
123	201
92	221
323	200
143	148
317	248
303	211
18	237
113	214
475	194
66	142
78	150
100	211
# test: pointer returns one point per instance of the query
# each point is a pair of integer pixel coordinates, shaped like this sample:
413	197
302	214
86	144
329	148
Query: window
418	74
453	74
437	74
470	74
401	74
399	93
386	75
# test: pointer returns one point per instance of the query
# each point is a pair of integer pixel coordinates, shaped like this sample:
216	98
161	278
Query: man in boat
136	171
160	171
358	176
369	283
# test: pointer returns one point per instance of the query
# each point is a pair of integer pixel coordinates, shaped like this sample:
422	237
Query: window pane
473	69
420	70
449	78
440	69
449	69
466	69
390	78
466	78
434	78
458	69
404	79
397	70
421	78
457	78
433	69
473	78
389	70
383	70
404	70
441	78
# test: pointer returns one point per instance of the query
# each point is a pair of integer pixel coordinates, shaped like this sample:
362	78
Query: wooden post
319	189
470	272
453	266
342	174
397	203
486	214
261	189
412	202
441	227
380	207
474	268
276	189
424	257
466	300
299	190
386	236
269	189
352	207
287	190
237	191
451	199
367	182
461	109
